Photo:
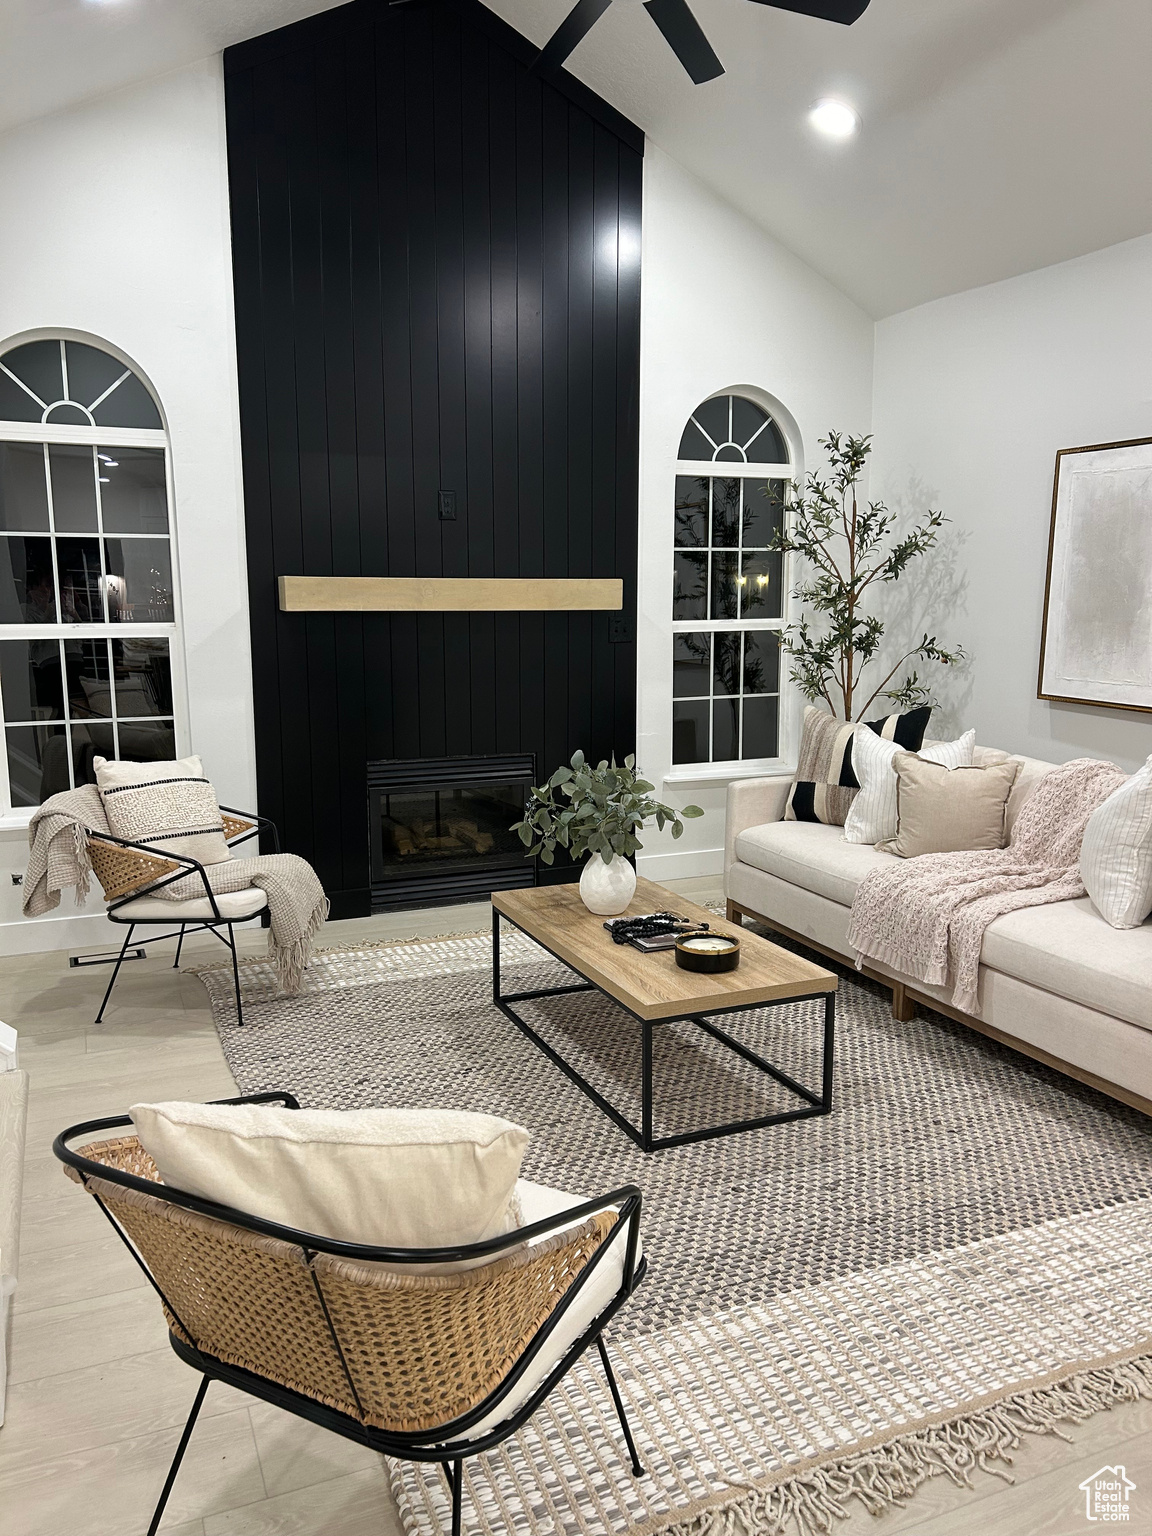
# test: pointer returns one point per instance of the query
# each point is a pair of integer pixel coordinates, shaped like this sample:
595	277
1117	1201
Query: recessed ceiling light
834	119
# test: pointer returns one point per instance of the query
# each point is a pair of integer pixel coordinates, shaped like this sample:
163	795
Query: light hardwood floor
96	1398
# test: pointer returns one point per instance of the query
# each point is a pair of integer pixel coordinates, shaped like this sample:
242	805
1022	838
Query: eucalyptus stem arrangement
849	548
594	810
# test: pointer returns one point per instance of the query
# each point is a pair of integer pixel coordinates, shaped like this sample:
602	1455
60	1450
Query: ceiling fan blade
576	25
683	34
845	11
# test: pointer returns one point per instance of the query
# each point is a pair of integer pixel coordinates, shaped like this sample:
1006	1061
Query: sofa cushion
1068	948
811	855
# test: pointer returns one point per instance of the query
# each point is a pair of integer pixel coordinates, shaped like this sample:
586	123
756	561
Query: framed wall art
1096	643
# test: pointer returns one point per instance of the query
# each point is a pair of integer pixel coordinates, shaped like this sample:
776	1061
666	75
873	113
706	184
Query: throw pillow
1116	854
396	1178
945	810
825	783
170	806
872	816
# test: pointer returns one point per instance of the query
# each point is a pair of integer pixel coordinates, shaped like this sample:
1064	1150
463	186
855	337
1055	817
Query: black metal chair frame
453	1446
188	866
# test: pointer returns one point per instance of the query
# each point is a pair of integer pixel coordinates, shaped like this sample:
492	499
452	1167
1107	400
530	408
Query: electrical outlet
621	628
446	503
17	879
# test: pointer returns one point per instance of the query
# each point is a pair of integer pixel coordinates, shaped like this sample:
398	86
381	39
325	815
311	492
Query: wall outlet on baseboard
17	879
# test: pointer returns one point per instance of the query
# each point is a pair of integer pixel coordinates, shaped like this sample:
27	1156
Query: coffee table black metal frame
814	1104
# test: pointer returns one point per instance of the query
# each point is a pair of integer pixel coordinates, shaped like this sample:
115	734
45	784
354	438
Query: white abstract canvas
1097	642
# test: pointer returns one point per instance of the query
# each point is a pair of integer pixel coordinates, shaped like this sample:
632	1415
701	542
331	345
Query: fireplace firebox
439	829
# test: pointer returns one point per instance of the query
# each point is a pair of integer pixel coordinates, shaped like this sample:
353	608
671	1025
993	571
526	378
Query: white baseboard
35	935
690	864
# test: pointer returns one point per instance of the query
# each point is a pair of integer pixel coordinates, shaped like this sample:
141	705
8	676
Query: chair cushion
538	1201
232	906
1067	948
810	855
398	1178
169	806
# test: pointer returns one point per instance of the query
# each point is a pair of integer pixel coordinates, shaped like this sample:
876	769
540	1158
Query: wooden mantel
446	594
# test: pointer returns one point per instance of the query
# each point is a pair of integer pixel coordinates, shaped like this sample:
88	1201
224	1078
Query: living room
524	442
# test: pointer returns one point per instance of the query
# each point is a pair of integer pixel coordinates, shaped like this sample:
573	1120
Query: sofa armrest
750	803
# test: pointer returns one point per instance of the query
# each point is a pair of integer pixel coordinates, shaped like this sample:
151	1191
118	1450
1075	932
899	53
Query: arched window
88	607
728	594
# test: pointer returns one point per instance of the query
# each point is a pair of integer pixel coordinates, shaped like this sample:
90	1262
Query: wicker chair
131	873
420	1366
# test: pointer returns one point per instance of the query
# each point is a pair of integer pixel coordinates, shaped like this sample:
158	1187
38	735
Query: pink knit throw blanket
925	917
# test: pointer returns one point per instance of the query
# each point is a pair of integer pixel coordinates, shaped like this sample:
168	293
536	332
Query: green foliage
849	548
594	810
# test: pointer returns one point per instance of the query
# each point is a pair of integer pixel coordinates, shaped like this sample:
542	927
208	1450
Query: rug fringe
887	1475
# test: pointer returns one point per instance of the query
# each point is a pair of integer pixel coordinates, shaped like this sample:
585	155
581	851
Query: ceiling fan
682	32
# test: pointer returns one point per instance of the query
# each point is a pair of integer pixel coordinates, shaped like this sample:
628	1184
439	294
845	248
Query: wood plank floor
96	1398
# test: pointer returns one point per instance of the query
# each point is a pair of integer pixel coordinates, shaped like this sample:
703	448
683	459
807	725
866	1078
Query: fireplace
439	829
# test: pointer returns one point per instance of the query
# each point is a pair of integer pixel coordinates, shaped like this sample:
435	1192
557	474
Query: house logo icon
1107	1494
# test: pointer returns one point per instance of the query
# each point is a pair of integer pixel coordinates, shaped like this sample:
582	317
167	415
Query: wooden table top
653	985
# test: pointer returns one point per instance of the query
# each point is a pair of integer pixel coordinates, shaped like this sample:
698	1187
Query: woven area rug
836	1309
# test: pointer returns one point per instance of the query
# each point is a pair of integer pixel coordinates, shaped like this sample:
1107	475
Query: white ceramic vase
606	889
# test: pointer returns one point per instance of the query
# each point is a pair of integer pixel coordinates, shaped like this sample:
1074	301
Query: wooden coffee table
654	990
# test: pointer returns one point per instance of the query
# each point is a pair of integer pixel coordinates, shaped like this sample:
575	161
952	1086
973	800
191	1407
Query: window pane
90	371
691	510
89	679
23	490
690	731
765	446
73	488
690	587
79	563
690	658
725	571
143	673
713	417
133	495
760	586
725	741
726	664
761	735
147	741
30	680
37	762
90	739
26	590
129	405
37	364
725	513
693	444
139	581
747	419
763	511
761	662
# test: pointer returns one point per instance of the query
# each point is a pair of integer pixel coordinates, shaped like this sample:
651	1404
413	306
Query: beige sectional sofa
1056	982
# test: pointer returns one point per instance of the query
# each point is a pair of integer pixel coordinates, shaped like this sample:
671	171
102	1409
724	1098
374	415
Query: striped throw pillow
171	807
825	784
1116	854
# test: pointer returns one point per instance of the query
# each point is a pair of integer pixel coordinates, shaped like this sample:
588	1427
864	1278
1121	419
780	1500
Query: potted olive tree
596	812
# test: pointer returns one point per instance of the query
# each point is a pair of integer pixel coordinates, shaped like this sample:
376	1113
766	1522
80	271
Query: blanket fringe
810	1503
292	959
83	882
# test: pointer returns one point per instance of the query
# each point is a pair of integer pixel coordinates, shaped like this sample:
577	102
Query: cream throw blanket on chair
925	917
297	905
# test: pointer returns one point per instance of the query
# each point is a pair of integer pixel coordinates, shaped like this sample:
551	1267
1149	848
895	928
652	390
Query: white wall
114	222
973	396
723	305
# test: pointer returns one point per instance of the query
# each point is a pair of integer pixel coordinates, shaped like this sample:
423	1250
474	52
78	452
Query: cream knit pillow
170	806
394	1178
872	816
1116	854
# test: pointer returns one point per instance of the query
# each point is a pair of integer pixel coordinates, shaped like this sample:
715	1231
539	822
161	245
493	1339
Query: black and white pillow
170	806
826	784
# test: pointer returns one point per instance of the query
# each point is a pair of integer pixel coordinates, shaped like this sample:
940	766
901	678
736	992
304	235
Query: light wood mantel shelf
446	594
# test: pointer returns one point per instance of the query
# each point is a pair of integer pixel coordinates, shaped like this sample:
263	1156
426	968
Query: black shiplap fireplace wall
437	288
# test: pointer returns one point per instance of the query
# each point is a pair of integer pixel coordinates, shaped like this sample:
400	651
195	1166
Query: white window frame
734	768
102	437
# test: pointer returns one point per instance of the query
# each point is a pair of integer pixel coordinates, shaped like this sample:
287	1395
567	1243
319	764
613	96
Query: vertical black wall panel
436	262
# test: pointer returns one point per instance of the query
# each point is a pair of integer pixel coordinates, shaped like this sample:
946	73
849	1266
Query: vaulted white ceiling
998	135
